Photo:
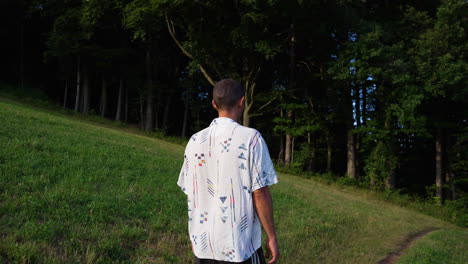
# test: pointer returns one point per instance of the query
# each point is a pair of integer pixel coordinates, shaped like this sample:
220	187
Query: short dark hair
226	93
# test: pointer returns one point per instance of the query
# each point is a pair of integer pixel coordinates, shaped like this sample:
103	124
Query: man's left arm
263	204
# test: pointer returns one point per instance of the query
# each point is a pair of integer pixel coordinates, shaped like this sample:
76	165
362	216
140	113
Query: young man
226	173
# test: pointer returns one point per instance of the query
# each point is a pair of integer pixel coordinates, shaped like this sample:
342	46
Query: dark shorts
256	258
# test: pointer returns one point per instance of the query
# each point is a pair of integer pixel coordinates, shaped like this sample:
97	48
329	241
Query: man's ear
214	105
241	101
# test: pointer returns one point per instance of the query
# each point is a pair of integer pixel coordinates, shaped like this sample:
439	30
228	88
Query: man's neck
231	115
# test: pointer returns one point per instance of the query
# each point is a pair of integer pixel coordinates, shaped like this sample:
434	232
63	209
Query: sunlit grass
73	191
330	225
441	246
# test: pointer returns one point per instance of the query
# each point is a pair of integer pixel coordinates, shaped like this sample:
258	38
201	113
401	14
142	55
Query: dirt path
395	255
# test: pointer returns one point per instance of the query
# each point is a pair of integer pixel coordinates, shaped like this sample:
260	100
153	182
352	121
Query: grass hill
75	191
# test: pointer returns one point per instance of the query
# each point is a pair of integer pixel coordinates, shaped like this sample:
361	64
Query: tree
66	41
375	61
441	61
232	39
145	18
375	90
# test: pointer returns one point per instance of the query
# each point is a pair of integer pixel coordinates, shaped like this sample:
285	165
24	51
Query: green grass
36	99
455	211
442	246
76	191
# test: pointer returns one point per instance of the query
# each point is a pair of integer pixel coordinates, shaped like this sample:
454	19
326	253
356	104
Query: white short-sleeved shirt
223	164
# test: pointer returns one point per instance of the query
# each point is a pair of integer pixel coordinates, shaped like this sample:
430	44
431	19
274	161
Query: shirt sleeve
261	167
183	175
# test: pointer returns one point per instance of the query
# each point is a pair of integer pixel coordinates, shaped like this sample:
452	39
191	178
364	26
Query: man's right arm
263	204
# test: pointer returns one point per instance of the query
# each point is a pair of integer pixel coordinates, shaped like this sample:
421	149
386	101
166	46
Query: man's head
228	95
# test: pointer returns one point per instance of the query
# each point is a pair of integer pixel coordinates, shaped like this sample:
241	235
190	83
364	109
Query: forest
368	92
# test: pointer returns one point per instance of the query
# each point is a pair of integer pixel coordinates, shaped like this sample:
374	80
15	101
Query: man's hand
264	208
272	250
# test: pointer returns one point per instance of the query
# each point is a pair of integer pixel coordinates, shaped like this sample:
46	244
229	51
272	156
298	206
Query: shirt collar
222	120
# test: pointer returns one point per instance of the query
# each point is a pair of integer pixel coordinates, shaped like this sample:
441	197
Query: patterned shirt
223	164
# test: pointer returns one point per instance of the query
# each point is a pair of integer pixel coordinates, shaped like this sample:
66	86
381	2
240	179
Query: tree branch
207	77
251	78
171	29
269	102
217	71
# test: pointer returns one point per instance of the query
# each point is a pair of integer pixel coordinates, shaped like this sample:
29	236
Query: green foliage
302	155
405	66
303	120
381	165
145	18
458	156
459	210
68	34
92	11
18	93
347	181
441	51
227	43
294	126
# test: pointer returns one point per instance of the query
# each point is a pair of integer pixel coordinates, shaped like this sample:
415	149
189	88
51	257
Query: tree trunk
287	150
390	181
65	94
453	193
142	117
364	106
249	83
288	145
329	153
360	111
248	101
292	64
22	56
281	152
448	180
167	107
245	115
350	137
85	90
446	165
357	103
184	124
198	119
351	154
311	147
126	104
449	175
156	114
103	107
78	84
119	100
292	150
438	165
149	126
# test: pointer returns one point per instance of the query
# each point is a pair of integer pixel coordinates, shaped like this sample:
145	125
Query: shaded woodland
373	92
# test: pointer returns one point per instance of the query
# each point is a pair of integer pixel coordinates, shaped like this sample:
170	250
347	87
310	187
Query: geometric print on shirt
223	164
